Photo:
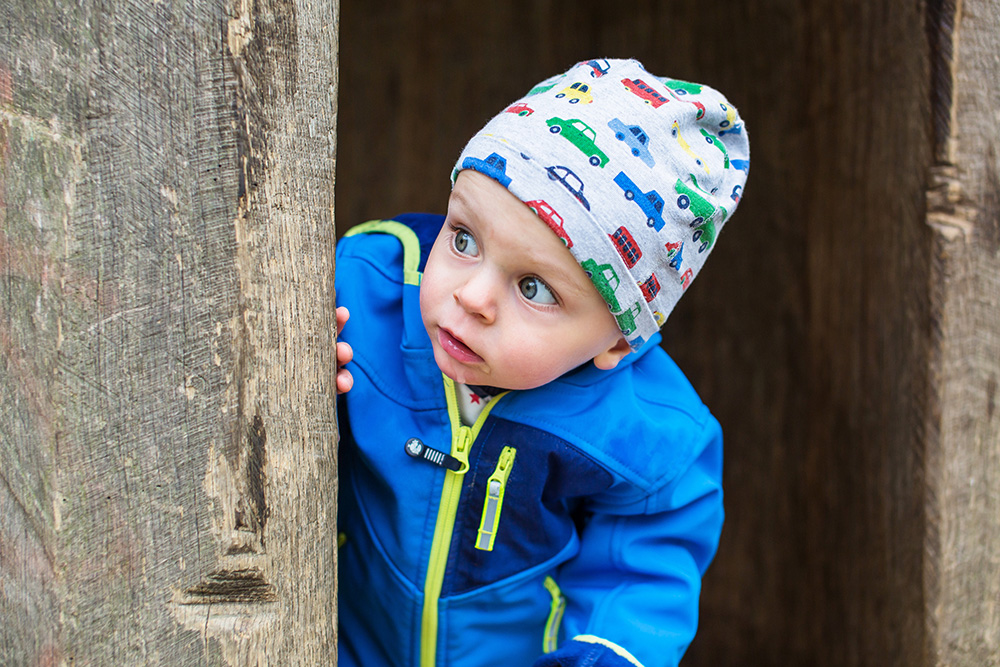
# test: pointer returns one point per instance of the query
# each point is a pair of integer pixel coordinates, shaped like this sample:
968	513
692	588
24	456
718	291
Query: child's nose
476	297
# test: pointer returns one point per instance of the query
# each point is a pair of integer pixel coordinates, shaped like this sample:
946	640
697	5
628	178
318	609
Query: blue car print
650	202
599	67
635	138
735	129
493	166
571	182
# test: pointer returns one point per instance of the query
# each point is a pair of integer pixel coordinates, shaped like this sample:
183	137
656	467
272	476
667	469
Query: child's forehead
500	219
484	203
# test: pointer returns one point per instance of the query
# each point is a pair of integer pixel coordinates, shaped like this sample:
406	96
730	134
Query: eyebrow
558	278
457	195
566	283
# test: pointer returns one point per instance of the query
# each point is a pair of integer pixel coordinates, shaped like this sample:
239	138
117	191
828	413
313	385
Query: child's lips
456	348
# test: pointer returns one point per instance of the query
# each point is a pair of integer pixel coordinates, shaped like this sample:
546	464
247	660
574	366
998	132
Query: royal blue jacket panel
570	525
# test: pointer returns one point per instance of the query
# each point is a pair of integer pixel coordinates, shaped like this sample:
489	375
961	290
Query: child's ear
610	357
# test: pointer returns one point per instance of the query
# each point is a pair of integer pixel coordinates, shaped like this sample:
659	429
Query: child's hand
344	355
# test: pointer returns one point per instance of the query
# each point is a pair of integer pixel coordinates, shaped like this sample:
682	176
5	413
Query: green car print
703	223
682	87
580	135
714	141
706	233
692	198
546	85
626	320
605	280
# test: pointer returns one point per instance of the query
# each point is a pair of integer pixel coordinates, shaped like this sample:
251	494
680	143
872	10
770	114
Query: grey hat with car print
636	174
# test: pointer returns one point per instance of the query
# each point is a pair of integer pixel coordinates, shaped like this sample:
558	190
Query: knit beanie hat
635	173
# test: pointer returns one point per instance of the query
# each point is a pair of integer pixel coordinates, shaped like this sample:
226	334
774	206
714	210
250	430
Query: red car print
521	109
686	279
627	247
697	105
550	218
675	251
643	90
650	288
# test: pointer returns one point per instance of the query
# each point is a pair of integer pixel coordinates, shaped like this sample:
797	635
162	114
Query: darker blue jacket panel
614	495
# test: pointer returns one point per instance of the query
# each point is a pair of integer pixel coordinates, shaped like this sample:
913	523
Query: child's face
504	302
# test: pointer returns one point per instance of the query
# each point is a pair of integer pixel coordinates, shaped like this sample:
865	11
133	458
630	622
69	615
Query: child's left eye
536	291
465	243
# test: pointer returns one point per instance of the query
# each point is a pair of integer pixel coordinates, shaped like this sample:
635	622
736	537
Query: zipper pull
495	487
556	610
464	439
418	450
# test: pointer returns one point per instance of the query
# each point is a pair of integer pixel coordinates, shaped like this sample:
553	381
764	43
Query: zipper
551	639
495	487
462	438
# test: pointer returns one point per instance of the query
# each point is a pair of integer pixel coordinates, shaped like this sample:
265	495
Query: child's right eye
465	243
537	291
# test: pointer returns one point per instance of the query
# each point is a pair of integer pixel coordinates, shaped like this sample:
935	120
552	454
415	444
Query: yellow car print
578	92
676	131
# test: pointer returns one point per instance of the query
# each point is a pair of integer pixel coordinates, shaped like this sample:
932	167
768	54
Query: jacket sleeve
632	591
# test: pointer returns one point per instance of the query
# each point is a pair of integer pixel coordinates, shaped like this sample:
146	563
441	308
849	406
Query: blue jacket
570	525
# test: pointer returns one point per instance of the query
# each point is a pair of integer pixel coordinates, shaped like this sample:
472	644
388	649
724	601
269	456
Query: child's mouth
456	348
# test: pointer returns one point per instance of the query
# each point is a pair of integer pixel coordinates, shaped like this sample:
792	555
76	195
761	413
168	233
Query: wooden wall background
847	330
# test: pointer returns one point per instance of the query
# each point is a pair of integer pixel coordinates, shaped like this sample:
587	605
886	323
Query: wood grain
167	327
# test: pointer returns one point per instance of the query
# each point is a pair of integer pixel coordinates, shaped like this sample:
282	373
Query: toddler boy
526	477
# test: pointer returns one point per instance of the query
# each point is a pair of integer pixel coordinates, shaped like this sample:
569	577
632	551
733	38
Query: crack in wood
246	585
256	518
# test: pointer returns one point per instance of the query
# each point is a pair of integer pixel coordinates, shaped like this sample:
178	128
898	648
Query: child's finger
344	381
342	316
345	353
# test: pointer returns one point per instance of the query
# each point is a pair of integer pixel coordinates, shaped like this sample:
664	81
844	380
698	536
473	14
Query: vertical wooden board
29	605
284	261
169	483
35	183
41	97
828	331
145	363
963	541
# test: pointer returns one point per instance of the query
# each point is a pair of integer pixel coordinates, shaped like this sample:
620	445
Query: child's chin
450	368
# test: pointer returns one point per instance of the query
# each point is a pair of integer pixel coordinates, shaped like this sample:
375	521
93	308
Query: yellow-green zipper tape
462	438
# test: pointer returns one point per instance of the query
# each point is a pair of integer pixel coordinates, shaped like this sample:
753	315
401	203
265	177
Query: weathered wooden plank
27	581
963	565
168	439
39	166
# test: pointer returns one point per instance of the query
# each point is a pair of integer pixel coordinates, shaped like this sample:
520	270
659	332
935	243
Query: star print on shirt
473	397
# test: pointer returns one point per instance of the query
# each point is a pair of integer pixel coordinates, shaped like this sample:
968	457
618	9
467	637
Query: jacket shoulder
378	271
414	232
644	422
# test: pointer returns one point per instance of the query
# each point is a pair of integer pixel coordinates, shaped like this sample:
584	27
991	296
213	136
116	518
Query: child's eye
536	291
465	243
